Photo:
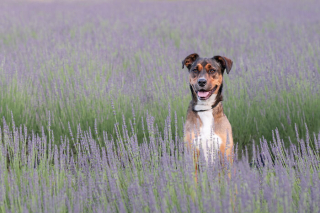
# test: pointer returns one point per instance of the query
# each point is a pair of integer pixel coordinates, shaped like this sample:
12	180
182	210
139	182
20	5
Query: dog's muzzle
204	95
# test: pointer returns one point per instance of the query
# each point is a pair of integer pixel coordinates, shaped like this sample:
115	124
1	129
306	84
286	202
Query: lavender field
93	101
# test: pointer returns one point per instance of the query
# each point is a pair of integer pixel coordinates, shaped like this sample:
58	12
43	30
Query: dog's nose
202	82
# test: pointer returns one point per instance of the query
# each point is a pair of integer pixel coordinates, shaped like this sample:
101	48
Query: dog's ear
189	60
225	62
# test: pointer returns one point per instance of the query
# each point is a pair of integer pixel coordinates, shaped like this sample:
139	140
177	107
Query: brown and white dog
206	125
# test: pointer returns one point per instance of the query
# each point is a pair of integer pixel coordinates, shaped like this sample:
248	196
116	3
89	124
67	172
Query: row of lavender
76	60
36	176
150	41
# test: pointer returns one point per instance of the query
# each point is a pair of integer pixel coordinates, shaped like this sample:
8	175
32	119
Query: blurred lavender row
61	50
77	60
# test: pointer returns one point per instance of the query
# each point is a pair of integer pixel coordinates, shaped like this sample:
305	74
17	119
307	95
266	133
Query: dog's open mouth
204	95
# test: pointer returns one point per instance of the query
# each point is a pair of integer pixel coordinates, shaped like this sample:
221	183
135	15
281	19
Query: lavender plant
38	176
93	101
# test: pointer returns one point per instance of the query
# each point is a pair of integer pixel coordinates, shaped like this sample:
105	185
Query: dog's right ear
189	60
225	62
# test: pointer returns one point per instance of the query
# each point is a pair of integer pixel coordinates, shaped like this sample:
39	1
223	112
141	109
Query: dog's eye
195	70
212	71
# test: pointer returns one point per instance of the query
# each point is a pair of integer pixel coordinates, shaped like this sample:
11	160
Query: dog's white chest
207	139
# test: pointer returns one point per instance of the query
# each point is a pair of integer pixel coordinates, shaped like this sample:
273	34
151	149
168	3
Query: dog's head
206	75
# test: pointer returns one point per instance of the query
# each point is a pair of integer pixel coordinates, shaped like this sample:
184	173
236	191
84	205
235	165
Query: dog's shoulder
222	126
222	121
192	117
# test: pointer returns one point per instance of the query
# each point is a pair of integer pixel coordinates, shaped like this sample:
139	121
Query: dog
206	125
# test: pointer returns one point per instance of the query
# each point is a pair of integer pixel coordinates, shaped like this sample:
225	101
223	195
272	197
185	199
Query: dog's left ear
225	62
189	60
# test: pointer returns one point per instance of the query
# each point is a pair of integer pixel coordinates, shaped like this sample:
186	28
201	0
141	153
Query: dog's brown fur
211	69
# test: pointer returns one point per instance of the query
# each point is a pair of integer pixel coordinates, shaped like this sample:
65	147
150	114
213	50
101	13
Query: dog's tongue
202	94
